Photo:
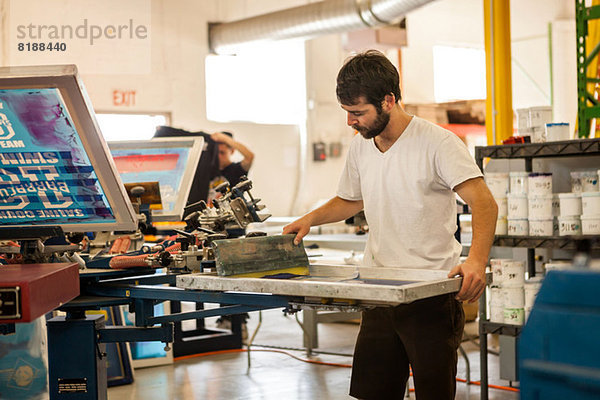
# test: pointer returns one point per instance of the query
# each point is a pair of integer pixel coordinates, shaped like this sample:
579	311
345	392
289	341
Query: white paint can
555	205
540	183
538	134
532	287
590	224
514	316
540	116
497	314
496	297
502	206
590	203
541	227
513	274
569	226
539	207
514	297
501	226
570	204
522	118
498	265
557	131
496	303
517	206
518	227
497	182
584	181
557	265
518	182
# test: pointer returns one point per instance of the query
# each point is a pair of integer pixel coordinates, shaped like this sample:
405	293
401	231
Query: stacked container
498	183
590	203
507	294
517	204
574	220
532	287
532	122
539	200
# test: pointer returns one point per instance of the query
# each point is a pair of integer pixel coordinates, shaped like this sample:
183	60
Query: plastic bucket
584	181
590	203
513	274
498	266
501	226
514	297
570	204
557	131
514	316
497	182
518	227
517	206
540	207
541	227
569	226
532	287
518	182
540	183
590	224
502	206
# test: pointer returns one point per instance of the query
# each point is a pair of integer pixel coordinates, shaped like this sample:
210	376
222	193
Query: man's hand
473	283
300	227
221	138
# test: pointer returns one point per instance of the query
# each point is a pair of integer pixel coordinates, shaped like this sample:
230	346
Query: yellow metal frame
499	112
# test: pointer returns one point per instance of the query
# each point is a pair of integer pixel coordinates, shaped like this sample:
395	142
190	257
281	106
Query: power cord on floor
212	353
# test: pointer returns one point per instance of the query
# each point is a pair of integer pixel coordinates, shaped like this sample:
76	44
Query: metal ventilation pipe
311	20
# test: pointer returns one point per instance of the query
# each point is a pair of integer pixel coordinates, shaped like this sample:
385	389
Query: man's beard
378	126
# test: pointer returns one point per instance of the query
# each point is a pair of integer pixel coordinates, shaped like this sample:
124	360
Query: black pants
424	334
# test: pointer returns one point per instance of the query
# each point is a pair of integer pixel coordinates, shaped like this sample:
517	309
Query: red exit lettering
124	98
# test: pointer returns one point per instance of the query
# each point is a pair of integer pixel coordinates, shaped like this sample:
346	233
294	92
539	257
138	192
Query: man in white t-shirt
404	172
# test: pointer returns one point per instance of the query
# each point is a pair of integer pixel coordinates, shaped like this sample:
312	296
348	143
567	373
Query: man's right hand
300	227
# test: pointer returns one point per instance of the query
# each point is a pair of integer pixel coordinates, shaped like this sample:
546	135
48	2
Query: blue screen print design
45	174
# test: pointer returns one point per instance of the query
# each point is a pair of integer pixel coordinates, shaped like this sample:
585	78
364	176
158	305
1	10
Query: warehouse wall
176	84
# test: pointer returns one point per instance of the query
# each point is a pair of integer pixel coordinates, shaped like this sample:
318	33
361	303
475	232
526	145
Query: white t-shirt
407	193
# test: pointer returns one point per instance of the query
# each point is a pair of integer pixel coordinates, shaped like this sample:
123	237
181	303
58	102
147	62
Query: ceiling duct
311	20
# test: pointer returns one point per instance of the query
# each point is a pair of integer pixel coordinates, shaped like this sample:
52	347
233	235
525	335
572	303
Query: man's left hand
473	283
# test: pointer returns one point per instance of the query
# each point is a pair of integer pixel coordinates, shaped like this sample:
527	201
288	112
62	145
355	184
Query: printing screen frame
195	144
66	80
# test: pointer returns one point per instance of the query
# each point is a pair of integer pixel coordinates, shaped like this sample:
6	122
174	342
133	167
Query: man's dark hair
369	74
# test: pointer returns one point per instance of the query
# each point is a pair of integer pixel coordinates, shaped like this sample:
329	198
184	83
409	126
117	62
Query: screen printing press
72	224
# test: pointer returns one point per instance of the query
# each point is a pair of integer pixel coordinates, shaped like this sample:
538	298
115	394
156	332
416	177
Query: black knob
165	258
223	188
137	191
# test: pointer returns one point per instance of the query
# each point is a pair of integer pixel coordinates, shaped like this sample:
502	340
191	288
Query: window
263	84
116	127
458	73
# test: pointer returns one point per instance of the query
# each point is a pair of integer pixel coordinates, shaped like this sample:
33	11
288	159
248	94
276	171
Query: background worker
404	172
229	170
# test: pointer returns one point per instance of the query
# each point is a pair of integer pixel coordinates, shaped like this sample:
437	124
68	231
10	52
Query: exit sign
124	98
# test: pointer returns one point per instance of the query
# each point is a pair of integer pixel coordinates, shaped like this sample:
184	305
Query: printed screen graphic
46	176
171	162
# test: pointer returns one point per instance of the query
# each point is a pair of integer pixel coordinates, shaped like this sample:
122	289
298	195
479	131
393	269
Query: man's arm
234	144
484	216
336	209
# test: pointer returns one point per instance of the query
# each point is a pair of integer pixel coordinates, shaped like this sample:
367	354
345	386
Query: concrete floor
275	375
